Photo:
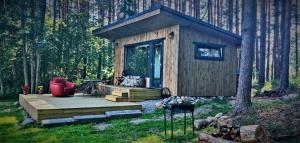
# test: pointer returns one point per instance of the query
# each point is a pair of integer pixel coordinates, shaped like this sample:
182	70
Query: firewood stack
229	130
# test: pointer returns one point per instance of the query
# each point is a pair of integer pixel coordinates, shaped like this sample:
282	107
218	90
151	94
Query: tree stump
253	134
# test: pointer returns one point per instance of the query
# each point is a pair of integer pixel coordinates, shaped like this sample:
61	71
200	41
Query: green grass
121	130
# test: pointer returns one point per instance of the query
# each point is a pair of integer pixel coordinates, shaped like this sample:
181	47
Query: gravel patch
149	105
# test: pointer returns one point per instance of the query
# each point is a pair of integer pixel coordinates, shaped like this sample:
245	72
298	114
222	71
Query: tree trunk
276	51
237	19
230	15
32	71
24	45
99	64
14	74
284	74
296	37
256	56
197	8
54	14
38	70
209	9
176	3
269	42
243	98
262	59
41	11
253	133
1	84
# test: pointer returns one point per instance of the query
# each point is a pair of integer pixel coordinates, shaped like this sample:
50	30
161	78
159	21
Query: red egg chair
59	87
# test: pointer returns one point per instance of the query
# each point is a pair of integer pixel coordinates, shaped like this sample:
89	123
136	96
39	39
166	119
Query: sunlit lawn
121	130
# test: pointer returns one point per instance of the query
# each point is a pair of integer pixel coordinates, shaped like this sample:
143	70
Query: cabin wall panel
205	77
170	56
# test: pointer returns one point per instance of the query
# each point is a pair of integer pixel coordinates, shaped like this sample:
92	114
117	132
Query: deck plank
45	106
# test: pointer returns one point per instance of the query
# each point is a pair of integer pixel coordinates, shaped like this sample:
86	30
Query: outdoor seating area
42	107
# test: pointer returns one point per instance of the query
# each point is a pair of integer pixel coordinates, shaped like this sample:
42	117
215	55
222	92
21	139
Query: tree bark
296	37
237	15
54	14
253	133
276	51
41	11
32	71
256	56
262	59
24	45
269	42
284	74
197	8
243	98
1	84
209	9
230	15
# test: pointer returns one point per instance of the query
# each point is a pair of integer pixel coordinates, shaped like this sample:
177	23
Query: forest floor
274	114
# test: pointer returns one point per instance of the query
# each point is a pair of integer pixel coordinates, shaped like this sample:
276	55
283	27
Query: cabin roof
159	17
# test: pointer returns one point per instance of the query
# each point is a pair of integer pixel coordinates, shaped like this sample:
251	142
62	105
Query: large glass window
137	57
145	59
209	51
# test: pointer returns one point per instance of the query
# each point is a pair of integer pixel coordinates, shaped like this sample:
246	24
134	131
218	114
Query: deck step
57	122
90	118
120	93
116	98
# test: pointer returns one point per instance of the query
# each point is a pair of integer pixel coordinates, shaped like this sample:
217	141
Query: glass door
157	65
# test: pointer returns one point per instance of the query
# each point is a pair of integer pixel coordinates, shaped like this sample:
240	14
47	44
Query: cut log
206	138
253	134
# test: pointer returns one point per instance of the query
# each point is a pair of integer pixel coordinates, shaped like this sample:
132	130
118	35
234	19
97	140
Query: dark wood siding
205	77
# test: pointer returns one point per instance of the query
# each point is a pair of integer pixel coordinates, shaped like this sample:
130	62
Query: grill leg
193	122
165	123
184	122
172	125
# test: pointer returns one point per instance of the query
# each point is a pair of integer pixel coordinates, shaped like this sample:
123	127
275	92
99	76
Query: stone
225	121
57	122
17	103
201	123
139	121
211	119
219	115
89	118
101	126
123	113
27	121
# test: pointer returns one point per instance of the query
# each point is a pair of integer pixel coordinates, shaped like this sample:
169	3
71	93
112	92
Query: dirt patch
281	119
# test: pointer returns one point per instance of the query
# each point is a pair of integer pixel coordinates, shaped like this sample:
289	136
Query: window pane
137	60
204	52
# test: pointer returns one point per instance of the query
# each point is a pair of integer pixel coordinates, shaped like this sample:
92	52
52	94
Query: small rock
219	115
27	121
138	121
7	110
17	103
211	119
199	124
101	126
158	105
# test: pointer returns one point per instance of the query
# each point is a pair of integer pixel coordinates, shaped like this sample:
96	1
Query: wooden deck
47	107
134	93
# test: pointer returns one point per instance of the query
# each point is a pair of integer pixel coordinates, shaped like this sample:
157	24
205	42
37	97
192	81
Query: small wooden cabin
185	54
